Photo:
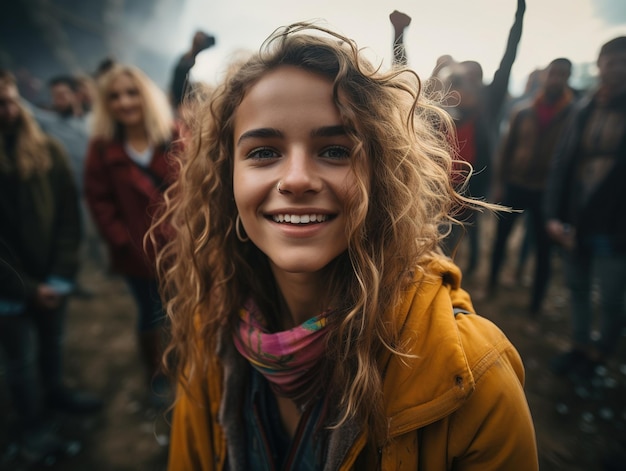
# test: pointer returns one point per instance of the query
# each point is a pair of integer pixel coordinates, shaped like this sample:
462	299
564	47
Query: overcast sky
466	29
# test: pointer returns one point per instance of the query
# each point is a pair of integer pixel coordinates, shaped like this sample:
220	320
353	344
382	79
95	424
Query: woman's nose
300	174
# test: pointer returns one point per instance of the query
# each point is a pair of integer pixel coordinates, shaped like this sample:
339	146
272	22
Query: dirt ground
578	425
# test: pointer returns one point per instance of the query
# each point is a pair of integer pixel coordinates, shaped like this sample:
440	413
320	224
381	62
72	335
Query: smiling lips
300	218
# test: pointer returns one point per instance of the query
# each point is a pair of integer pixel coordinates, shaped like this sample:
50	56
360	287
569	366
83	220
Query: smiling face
287	130
124	101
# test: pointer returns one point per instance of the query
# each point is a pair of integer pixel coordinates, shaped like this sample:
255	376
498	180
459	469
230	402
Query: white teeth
299	218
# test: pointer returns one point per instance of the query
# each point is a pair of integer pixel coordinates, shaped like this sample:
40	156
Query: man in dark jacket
522	171
39	239
585	211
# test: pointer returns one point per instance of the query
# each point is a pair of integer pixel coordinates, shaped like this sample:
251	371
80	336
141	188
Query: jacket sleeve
101	199
67	223
190	439
494	429
197	441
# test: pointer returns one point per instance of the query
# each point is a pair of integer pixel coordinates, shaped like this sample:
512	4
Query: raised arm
400	22
498	88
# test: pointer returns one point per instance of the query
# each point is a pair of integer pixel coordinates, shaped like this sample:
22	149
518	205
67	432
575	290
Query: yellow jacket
458	404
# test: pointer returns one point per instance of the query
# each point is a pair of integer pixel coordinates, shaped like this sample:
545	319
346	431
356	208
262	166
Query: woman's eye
262	153
336	152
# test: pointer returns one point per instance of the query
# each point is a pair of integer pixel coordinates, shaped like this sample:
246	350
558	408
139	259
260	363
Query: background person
477	114
39	240
68	123
523	168
584	207
129	164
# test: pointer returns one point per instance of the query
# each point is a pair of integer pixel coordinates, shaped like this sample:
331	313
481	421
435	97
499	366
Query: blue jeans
609	270
33	347
530	200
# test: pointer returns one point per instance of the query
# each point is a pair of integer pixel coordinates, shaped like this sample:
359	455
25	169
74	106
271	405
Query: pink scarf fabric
288	359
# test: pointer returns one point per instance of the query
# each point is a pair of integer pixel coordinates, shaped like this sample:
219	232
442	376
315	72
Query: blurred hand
399	20
561	233
200	42
47	297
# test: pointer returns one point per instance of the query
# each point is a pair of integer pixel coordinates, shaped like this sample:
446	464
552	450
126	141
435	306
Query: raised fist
399	20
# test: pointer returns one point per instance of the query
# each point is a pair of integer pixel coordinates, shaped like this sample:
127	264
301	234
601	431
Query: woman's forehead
285	96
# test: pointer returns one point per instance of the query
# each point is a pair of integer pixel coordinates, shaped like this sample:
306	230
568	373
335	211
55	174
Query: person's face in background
612	68
125	102
557	76
10	112
64	100
288	130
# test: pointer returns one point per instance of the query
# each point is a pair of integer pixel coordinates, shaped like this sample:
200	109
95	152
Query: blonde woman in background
129	165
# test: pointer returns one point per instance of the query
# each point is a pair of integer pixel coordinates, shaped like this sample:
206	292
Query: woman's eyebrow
259	133
329	131
324	131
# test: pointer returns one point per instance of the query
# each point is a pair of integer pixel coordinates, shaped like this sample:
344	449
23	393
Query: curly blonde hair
157	113
402	160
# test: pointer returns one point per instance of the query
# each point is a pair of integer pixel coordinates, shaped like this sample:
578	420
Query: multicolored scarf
289	360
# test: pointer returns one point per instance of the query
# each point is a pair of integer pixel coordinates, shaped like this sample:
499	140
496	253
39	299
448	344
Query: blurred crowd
88	171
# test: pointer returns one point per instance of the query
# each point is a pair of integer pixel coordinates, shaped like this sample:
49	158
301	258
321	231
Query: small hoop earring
278	187
239	230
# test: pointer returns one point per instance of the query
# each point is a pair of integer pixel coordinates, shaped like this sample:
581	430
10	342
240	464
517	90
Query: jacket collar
419	389
436	379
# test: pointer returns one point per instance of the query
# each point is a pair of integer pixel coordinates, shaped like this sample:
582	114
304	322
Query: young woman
315	324
129	165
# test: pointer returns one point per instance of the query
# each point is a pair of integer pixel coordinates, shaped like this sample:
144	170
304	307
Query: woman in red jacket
128	167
